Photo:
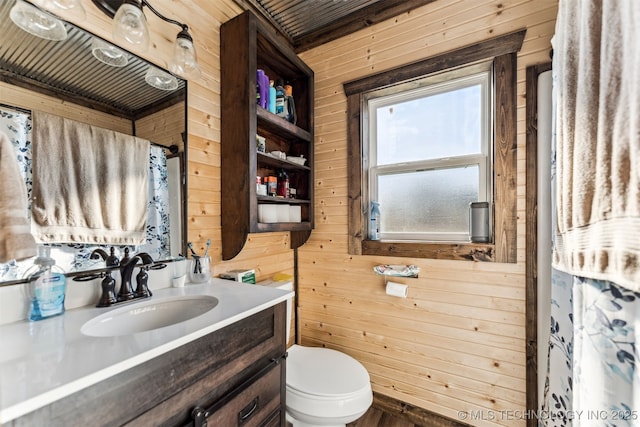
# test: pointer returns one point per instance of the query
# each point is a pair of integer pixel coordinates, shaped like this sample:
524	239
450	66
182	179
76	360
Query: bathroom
459	343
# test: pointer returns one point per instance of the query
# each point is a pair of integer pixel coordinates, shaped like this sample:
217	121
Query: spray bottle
374	221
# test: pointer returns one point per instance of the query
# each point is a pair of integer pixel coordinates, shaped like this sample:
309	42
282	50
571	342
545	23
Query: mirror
86	79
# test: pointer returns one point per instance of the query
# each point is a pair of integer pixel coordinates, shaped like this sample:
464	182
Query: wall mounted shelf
246	46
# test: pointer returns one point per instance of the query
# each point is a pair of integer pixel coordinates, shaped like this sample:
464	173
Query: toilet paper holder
389	271
395	270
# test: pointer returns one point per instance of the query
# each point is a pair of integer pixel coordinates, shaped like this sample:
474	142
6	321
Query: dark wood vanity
234	376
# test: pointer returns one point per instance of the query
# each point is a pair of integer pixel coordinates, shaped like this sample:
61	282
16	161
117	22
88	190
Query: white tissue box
244	276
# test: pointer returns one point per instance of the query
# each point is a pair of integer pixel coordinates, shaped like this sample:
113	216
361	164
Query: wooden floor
388	412
376	417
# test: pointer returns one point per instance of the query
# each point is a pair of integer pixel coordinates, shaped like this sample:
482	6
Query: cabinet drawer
253	405
274	420
228	362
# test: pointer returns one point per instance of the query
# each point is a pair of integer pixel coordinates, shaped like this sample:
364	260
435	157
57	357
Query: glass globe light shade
70	5
160	79
108	54
37	22
130	25
185	61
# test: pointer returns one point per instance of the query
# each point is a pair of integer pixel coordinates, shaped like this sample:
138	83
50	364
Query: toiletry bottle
374	225
272	97
280	96
272	186
262	91
289	105
283	184
46	286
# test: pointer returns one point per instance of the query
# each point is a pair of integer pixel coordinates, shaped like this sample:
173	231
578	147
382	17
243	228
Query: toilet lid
324	372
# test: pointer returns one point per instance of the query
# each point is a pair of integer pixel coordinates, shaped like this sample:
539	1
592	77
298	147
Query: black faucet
111	260
126	271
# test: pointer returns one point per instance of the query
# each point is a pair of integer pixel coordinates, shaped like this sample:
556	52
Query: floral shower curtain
16	124
592	378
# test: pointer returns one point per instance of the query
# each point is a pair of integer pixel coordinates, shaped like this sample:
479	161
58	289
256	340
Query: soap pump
46	286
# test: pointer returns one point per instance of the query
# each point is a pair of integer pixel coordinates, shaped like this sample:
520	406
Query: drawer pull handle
247	411
199	417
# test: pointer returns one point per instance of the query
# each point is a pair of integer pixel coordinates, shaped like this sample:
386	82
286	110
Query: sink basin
148	315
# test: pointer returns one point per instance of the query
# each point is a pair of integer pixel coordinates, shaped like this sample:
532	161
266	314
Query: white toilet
324	387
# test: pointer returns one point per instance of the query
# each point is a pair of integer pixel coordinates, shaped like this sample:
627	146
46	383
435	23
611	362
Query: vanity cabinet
246	46
231	377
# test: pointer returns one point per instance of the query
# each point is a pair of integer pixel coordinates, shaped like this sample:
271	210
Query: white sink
148	315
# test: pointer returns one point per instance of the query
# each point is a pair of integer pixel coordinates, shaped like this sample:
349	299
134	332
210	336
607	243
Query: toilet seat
325	387
324	373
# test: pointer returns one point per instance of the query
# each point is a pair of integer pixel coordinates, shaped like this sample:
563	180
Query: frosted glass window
425	202
429	155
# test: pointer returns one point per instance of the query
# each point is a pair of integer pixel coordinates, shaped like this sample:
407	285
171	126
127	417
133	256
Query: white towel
16	241
90	185
596	65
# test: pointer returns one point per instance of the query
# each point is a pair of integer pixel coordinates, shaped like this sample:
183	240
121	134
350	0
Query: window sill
454	251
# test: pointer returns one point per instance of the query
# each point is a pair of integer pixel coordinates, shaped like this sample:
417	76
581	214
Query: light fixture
63	6
160	79
37	22
108	53
130	26
185	61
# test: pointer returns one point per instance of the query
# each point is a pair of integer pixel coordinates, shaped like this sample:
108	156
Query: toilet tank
287	286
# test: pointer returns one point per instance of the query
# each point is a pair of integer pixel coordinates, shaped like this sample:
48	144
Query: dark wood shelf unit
280	163
246	46
276	124
271	199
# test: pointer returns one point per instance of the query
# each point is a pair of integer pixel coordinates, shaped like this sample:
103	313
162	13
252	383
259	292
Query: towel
16	241
90	185
596	66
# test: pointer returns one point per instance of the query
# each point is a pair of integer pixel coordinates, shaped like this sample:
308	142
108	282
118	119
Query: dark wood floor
388	412
376	417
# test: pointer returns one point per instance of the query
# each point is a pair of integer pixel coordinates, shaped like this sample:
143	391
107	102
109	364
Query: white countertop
41	362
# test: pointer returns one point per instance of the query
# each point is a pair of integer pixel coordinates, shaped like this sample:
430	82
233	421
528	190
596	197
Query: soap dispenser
46	286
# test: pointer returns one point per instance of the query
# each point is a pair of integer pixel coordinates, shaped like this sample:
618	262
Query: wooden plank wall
457	342
163	127
24	98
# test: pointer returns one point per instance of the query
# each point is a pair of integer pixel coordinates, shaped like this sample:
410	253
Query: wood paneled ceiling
310	23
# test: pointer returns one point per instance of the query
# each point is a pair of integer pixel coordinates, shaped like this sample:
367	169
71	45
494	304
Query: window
426	139
429	154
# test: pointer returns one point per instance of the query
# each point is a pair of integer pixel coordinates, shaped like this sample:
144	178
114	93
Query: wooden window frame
503	50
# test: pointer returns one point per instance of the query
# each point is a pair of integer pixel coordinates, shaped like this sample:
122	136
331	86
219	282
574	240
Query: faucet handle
108	285
142	290
125	259
112	259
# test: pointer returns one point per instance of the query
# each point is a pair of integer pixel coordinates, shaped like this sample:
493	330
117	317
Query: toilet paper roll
397	289
267	213
282	213
295	214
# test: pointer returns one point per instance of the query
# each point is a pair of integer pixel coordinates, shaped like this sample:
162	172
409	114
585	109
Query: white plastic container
46	286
